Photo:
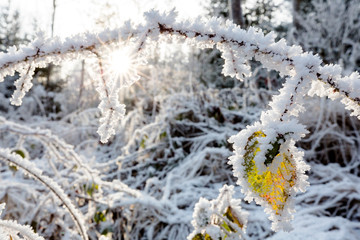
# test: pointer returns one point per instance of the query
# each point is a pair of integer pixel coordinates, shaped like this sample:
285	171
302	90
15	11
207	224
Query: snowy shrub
268	165
331	29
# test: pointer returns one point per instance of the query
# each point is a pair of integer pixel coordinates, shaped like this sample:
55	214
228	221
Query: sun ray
120	62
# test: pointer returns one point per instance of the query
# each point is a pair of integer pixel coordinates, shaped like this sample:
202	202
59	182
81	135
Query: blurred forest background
171	148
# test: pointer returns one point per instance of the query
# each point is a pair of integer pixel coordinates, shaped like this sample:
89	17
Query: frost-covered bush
149	157
331	29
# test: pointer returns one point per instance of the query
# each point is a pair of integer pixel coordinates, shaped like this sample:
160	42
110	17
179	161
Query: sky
78	16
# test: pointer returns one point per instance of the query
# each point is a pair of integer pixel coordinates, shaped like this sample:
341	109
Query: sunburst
122	65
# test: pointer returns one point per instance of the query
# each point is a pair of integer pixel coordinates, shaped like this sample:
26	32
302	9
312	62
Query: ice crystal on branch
235	63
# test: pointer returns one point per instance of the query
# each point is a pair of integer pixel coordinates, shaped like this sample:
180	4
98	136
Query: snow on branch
15	228
237	44
14	159
61	149
12	228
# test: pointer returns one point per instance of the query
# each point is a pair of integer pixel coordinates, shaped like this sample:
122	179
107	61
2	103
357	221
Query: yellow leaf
198	236
207	237
232	217
274	188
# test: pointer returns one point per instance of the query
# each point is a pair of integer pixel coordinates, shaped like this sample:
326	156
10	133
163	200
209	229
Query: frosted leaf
214	232
219	218
270	169
202	213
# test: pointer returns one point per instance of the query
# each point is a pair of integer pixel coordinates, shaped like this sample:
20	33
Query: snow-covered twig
50	140
12	227
25	231
33	171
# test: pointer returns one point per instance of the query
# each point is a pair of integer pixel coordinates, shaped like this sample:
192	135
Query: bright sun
122	65
120	62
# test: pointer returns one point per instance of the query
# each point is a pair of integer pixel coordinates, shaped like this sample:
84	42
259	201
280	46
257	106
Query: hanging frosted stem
111	110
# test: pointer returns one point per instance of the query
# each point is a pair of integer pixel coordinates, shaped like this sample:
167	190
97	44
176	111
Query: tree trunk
51	66
53	18
296	13
236	13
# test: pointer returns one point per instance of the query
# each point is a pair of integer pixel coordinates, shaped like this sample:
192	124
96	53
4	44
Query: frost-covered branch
33	171
241	45
8	227
66	151
111	110
25	231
